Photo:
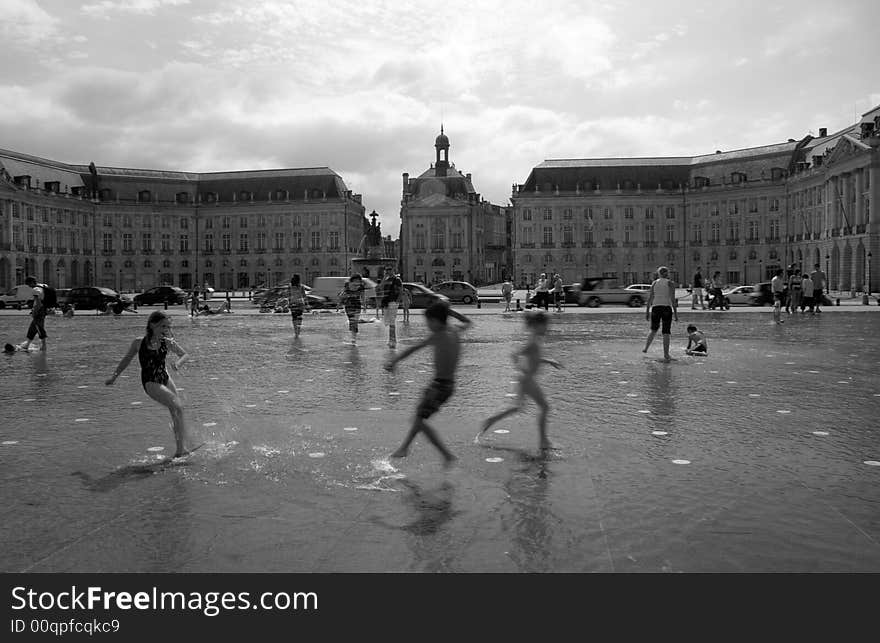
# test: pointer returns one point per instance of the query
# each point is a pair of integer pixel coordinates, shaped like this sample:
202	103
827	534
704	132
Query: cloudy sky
204	85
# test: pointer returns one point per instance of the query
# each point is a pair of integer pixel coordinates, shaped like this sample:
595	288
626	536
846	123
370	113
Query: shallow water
703	464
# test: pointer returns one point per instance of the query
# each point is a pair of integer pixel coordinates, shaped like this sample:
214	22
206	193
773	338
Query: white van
17	297
329	287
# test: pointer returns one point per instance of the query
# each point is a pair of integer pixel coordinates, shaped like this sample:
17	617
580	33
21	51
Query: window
334	240
209	243
106	245
261	221
697	233
588	214
243	242
108	221
297	240
628	213
166	243
527	214
733	207
184	224
148	222
242	222
147	242
184	242
279	241
226	221
143	196
649	234
649	212
182	197
733	230
209	223
316	240
528	235
227	242
670	233
606	213
753	230
548	235
588	236
127	242
244	195
419	240
166	222
670	212
753	205
456	238
315	220
774	205
566	214
548	214
774	229
567	234
714	232
438	238
628	233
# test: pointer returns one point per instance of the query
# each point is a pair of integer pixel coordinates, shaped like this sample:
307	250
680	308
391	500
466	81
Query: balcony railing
527	245
650	244
548	245
588	244
670	244
568	244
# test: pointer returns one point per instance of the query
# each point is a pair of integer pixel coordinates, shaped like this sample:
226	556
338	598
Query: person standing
661	308
794	291
350	297
820	285
507	294
194	302
697	291
807	293
391	286
405	302
542	292
558	292
38	315
777	286
297	302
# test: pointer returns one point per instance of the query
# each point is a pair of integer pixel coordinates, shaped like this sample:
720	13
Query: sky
362	87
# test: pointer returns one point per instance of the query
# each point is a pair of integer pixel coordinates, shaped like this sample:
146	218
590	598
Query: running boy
297	301
151	351
528	360
697	343
350	297
447	348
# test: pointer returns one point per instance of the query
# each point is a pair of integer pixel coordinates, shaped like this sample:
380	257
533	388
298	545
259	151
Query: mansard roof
127	182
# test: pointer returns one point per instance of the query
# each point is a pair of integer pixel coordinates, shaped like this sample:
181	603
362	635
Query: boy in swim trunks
528	360
447	347
698	340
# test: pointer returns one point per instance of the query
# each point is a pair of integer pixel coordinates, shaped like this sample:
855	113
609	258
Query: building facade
447	231
130	229
742	213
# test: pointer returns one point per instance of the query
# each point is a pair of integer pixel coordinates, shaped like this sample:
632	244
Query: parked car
95	297
739	296
457	291
63	296
329	287
161	295
17	297
596	291
422	296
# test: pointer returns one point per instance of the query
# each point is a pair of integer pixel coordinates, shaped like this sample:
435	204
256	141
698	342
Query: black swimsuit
153	363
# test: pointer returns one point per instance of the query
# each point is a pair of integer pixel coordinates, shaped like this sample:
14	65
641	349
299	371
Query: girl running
151	351
350	298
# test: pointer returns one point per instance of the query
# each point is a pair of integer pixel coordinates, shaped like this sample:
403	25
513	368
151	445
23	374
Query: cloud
25	23
144	7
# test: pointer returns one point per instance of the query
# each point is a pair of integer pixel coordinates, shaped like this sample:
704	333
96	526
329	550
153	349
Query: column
847	215
834	200
859	215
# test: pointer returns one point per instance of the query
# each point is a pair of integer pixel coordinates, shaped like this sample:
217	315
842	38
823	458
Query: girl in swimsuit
151	351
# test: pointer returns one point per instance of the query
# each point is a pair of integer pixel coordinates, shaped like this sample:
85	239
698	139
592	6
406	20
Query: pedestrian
194	302
820	285
391	286
447	349
152	350
794	291
697	342
777	287
507	294
542	292
717	294
697	291
528	360
297	302
558	292
662	307
38	316
807	293
350	297
405	302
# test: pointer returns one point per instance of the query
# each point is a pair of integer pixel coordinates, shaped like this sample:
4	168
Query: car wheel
594	302
635	301
467	299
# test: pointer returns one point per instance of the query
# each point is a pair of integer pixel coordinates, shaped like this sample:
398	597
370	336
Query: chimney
405	180
823	132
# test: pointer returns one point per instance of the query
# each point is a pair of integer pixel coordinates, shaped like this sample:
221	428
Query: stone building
743	213
447	231
130	229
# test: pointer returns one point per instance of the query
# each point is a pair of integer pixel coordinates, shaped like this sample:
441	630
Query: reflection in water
126	474
661	390
533	520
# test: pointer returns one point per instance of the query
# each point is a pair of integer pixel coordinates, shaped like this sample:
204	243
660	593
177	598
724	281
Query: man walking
38	312
697	291
391	286
819	286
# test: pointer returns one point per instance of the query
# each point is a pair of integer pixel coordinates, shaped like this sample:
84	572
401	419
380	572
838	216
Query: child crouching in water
528	360
447	347
350	297
151	351
697	343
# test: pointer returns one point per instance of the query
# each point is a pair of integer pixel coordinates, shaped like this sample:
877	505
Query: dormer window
182	197
105	194
701	181
777	173
52	186
210	197
244	195
144	196
23	180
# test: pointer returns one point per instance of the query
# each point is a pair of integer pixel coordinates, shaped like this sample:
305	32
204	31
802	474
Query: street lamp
827	273
761	269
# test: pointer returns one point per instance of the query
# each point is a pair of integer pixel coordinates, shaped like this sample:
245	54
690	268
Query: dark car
422	296
161	295
95	298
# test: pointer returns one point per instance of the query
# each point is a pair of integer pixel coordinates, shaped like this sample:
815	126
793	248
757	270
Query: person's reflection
533	520
661	391
353	373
